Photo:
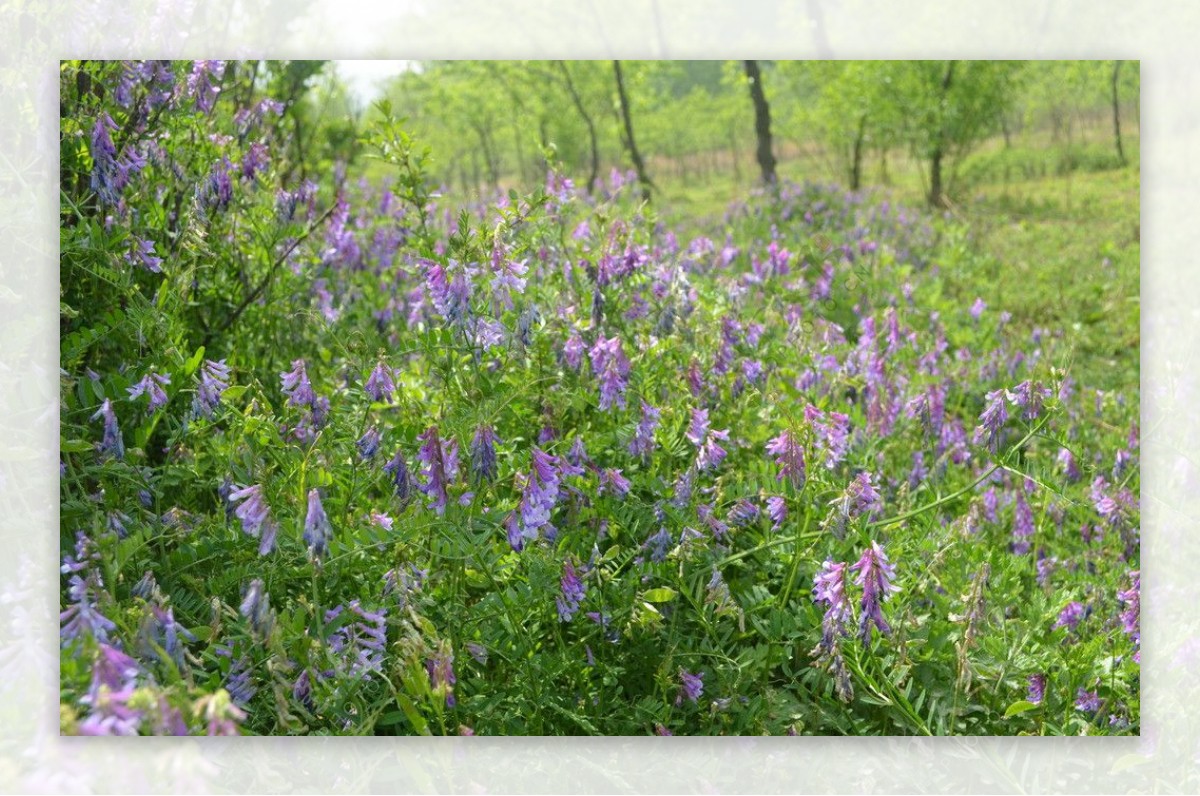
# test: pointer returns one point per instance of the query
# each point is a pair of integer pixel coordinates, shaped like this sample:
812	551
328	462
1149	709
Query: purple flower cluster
573	592
151	386
711	454
642	443
611	366
317	530
255	516
789	457
213	381
875	576
1131	598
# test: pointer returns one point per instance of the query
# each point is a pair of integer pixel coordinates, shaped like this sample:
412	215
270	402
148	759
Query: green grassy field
1055	226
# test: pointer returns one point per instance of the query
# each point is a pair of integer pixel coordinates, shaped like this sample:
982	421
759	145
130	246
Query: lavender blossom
992	421
1037	688
642	444
573	592
612	481
317	530
611	366
368	444
380	385
253	511
440	668
1071	615
789	457
256	607
691	687
483	454
1131	598
875	575
437	469
1023	527
776	511
151	385
111	444
214	380
296	386
397	468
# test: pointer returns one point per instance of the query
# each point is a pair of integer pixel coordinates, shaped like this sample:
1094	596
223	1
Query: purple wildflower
440	465
397	468
977	308
317	530
483	454
214	380
829	587
875	575
573	350
253	511
368	443
776	511
441	673
612	480
255	160
202	83
359	643
540	495
743	513
1070	468
1029	396
1070	616
111	444
683	488
642	443
296	386
691	687
1037	688
573	592
142	255
1023	527
256	607
611	366
1131	615
151	385
789	457
380	385
1087	701
991	421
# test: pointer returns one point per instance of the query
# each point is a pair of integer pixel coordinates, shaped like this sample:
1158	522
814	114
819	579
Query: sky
364	78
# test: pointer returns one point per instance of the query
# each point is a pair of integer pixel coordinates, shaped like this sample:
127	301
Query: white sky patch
365	79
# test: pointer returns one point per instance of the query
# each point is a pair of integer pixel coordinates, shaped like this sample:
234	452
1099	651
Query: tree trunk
762	123
1117	111
587	120
856	163
937	196
630	144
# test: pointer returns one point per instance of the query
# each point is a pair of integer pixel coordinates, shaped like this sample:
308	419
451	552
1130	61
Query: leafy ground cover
343	457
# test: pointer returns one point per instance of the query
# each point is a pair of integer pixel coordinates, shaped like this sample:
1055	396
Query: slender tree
937	196
630	144
762	122
587	120
1116	108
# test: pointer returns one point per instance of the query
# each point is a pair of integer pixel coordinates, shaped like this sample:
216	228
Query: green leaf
74	446
1018	708
663	594
190	366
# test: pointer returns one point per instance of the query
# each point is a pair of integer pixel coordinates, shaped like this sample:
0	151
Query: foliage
341	457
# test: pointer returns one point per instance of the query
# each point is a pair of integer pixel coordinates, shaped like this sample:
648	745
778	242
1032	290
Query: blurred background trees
931	128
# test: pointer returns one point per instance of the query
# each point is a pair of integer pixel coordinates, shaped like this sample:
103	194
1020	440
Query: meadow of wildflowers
343	457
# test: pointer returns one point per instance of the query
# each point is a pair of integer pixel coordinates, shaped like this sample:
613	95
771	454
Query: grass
1055	224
